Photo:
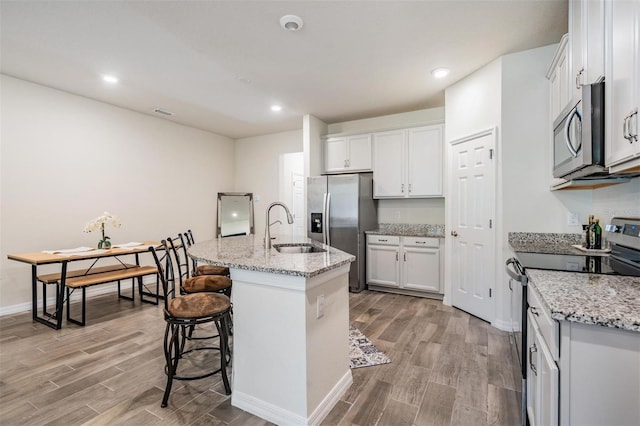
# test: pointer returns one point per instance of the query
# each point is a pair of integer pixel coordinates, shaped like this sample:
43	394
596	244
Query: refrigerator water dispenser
316	223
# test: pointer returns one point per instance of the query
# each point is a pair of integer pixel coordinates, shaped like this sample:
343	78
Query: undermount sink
298	248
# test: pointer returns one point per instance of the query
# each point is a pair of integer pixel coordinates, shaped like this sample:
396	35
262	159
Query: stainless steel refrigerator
340	209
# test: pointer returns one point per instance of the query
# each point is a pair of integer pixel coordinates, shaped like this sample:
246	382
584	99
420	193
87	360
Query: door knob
454	233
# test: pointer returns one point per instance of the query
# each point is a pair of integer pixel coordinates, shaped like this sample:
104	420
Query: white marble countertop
248	252
606	300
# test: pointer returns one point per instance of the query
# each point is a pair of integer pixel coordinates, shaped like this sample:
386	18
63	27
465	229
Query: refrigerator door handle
327	209
324	218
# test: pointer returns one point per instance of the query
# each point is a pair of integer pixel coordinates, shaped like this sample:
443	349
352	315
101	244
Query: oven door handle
517	273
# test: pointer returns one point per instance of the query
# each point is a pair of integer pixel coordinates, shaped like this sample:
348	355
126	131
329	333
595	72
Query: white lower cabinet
580	374
542	379
410	265
382	260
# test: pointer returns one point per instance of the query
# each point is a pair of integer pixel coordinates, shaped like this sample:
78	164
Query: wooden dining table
94	274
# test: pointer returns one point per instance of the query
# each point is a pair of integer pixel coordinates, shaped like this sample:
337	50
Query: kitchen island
290	327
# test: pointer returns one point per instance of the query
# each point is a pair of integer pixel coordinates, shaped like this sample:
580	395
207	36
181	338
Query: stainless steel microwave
578	137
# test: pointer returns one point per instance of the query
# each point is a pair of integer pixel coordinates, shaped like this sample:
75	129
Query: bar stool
182	313
199	283
187	241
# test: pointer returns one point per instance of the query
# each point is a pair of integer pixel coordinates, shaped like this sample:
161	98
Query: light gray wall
257	169
66	159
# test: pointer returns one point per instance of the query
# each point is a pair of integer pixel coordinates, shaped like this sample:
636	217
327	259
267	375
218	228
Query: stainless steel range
623	235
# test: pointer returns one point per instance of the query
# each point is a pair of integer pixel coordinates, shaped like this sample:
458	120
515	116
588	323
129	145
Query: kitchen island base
290	344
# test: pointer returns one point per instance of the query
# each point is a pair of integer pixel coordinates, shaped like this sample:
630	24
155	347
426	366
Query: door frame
448	246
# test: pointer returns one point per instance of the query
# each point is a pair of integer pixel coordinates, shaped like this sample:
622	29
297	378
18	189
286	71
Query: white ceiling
220	65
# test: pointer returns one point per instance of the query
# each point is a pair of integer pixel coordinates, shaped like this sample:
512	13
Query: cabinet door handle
409	187
579	78
397	257
633	137
532	349
405	256
402	188
382	241
625	129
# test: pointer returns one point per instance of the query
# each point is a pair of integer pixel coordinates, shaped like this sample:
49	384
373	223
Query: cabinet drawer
421	242
549	328
383	239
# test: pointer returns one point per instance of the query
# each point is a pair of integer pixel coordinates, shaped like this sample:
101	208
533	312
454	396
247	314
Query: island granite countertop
605	300
248	252
408	230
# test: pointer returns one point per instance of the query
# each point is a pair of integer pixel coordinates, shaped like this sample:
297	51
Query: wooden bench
56	277
100	275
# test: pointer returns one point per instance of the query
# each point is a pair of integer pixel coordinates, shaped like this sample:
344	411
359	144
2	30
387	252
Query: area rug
362	353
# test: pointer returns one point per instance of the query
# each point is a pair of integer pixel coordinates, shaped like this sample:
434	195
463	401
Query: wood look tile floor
448	368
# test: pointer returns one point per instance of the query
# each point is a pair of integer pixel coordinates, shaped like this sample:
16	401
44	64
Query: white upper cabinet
586	44
576	68
408	163
388	164
424	161
593	28
558	75
347	154
622	91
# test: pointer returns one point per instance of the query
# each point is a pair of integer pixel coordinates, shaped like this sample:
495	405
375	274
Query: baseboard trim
280	416
265	410
504	325
327	404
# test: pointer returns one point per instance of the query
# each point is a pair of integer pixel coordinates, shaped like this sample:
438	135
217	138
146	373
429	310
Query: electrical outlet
320	306
573	219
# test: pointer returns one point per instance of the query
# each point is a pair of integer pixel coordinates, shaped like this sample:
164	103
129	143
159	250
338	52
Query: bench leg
133	292
144	292
84	300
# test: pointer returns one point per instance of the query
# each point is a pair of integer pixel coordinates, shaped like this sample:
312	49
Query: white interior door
297	203
472	174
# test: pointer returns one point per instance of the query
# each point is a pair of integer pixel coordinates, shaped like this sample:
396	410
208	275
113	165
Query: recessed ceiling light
440	72
110	78
276	108
291	22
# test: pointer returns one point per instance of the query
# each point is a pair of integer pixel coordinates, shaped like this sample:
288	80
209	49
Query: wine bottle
597	231
588	243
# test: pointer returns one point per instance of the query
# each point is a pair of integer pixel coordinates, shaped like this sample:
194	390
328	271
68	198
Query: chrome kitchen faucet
267	232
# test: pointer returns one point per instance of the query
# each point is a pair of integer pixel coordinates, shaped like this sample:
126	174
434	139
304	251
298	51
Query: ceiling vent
161	111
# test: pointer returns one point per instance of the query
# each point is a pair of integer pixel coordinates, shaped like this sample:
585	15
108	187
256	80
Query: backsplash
403	228
544	238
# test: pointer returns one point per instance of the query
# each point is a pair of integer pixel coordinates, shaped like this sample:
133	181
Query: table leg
60	295
34	292
57	315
